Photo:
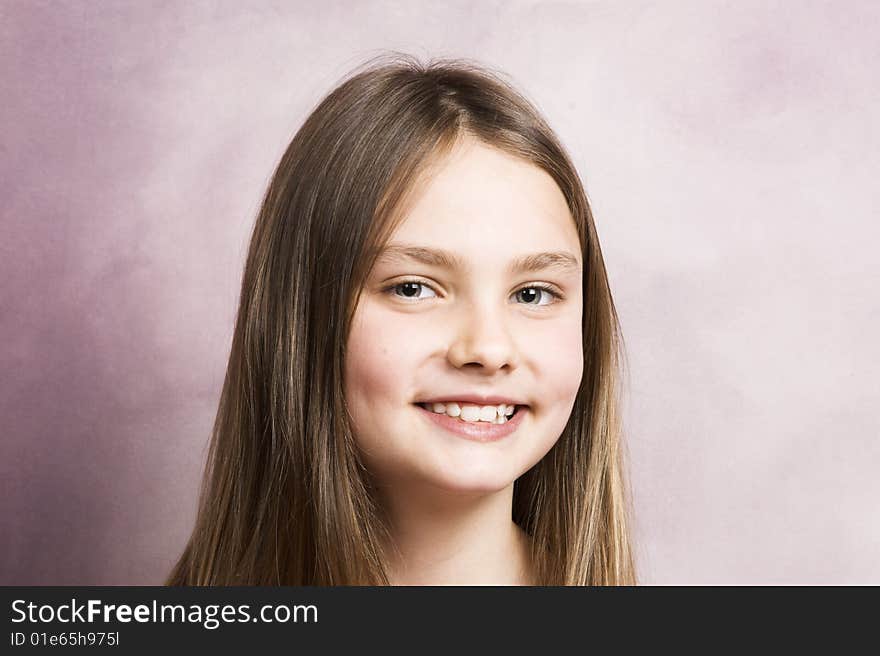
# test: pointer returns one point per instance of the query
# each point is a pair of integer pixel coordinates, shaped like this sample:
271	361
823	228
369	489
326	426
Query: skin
473	329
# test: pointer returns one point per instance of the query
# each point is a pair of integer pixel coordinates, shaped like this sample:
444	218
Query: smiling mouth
427	406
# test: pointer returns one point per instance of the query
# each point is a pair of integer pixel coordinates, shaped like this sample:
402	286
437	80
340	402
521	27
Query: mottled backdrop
731	154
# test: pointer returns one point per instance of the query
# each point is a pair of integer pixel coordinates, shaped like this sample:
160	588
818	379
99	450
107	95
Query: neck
446	538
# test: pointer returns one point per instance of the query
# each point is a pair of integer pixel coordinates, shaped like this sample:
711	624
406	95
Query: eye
537	292
410	289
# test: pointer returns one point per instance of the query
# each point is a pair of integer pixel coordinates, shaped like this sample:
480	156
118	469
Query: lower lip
478	431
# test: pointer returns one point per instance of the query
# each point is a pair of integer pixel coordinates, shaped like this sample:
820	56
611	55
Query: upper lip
477	399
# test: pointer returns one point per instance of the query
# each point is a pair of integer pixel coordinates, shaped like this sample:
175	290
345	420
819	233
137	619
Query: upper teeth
472	412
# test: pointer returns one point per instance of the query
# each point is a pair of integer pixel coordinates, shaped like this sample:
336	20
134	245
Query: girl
423	380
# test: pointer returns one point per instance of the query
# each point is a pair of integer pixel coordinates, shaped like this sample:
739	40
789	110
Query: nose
482	339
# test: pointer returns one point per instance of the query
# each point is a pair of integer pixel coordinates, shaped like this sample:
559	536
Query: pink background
730	151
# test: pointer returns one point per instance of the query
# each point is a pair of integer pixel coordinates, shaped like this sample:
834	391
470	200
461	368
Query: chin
479	481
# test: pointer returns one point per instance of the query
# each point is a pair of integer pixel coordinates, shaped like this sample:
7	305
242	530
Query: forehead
480	205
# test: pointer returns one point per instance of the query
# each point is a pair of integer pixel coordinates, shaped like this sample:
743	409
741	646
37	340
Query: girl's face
469	324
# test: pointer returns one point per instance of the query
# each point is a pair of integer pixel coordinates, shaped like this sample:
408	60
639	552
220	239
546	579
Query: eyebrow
561	261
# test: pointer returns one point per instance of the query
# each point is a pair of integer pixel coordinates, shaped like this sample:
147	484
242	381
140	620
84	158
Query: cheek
367	368
561	367
380	357
380	369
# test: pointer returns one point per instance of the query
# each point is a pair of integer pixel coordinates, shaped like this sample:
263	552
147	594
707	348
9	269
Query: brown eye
408	289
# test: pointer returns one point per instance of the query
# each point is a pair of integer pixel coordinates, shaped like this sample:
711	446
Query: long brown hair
285	498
